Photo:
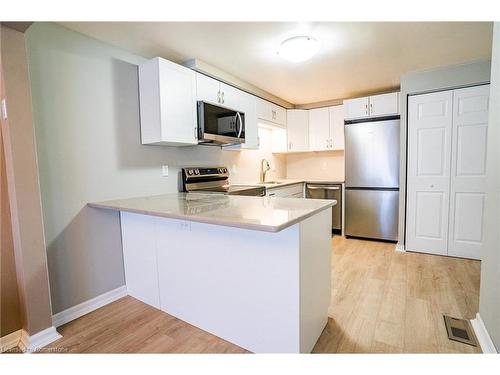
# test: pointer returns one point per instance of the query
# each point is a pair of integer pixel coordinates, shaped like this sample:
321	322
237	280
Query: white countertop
269	214
287	182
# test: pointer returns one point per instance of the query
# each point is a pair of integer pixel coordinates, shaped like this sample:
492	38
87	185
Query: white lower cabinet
139	258
265	292
447	136
289	191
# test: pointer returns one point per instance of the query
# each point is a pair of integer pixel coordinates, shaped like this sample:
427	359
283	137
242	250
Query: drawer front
295	190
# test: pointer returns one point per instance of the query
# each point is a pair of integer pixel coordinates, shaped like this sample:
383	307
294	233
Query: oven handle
241	123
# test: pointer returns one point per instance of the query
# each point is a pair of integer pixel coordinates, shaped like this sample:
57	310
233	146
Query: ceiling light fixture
298	48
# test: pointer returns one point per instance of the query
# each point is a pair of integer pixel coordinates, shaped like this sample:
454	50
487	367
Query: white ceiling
355	58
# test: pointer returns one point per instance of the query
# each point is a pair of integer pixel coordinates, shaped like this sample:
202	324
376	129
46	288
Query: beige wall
10	313
489	302
86	117
22	182
327	165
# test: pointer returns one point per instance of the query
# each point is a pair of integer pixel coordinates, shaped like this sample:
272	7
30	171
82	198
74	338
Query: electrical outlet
164	170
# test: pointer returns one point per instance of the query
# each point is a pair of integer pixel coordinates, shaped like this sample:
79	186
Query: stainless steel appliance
215	180
220	126
328	191
372	178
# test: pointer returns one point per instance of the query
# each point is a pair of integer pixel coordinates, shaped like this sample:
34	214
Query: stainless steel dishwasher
328	191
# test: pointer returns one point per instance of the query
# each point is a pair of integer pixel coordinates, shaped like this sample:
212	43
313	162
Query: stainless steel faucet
264	167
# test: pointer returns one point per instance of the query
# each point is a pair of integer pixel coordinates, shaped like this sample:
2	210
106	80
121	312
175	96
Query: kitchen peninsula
252	270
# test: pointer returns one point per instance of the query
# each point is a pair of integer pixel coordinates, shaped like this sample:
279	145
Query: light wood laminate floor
382	302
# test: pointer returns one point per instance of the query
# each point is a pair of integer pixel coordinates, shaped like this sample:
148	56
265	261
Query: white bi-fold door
428	176
446	170
468	171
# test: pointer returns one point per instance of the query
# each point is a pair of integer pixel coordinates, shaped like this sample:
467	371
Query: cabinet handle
218	96
195	133
366	108
222	96
371	108
289	145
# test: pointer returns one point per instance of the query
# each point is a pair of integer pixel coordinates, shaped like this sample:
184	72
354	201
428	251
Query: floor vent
460	330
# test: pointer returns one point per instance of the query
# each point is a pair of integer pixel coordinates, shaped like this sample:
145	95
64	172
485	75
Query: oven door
220	126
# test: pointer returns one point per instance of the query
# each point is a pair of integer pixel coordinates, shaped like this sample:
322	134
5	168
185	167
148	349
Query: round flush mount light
298	48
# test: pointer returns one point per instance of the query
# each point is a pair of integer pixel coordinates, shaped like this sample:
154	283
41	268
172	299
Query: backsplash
327	165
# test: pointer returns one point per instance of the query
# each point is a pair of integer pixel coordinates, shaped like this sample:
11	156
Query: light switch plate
164	170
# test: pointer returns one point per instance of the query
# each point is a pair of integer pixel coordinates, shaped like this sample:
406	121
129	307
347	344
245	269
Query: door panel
428	218
372	213
356	108
372	154
337	127
207	89
297	125
468	171
428	175
384	104
319	129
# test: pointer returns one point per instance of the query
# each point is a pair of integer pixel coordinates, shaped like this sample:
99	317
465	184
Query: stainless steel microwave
220	126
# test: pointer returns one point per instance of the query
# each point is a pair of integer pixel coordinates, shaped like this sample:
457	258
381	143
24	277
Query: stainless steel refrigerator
372	178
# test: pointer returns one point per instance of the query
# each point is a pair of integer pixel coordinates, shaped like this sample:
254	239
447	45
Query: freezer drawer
372	154
372	214
328	191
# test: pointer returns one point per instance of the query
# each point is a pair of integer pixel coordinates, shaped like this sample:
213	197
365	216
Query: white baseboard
86	307
10	341
400	247
34	343
483	336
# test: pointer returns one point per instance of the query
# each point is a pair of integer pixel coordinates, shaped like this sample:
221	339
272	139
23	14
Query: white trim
34	343
10	341
483	336
400	247
86	307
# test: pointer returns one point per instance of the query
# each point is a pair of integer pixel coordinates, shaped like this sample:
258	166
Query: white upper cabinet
337	127
372	106
271	112
207	89
213	91
319	129
384	104
218	93
167	94
356	108
326	128
297	124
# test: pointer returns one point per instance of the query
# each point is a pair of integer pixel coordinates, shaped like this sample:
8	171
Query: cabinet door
263	109
278	114
177	105
356	108
384	104
139	257
468	171
297	125
319	129
233	98
207	89
337	127
251	128
428	175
